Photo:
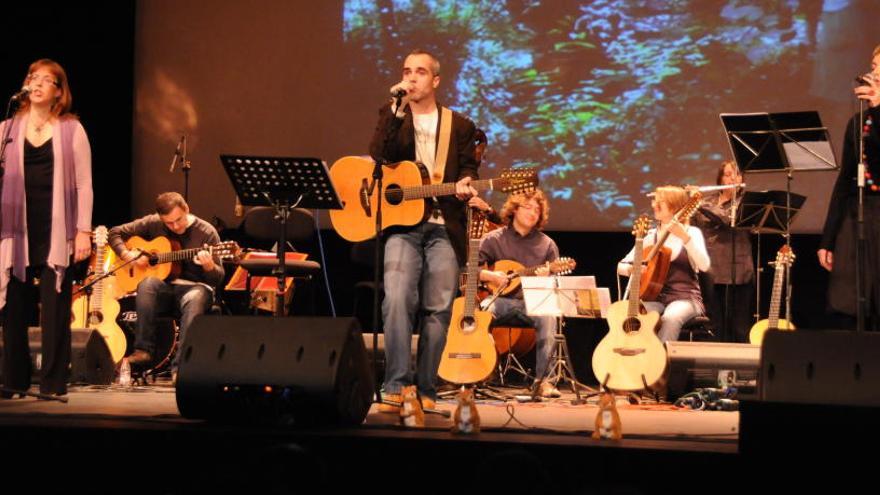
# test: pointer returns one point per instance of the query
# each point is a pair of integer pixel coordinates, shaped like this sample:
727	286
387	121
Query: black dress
22	296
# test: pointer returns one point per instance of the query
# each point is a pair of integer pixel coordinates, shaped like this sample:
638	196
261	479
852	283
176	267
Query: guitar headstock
101	236
641	226
785	256
226	250
562	266
476	223
519	180
690	207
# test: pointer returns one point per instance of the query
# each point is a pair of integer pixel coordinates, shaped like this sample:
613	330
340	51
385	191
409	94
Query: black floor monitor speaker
293	370
821	367
695	365
90	360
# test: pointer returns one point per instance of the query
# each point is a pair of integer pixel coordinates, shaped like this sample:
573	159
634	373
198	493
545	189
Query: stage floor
555	421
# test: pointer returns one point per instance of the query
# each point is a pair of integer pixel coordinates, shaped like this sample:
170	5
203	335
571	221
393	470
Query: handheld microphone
400	93
25	90
865	79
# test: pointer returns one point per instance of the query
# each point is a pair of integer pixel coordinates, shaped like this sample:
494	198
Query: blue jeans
156	298
673	316
506	308
421	275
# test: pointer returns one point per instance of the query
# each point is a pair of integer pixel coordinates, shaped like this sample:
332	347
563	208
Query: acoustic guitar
165	259
659	256
784	259
469	355
407	190
100	309
631	357
514	270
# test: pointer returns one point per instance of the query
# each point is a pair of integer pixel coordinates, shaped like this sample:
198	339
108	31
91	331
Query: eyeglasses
35	79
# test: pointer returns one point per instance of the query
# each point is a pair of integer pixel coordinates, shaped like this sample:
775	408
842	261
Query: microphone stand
185	165
377	185
861	301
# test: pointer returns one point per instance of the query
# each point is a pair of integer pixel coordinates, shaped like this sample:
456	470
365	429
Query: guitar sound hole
467	324
394	194
95	318
632	325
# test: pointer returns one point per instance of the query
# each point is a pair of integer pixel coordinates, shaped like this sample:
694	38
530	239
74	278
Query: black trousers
21	297
740	301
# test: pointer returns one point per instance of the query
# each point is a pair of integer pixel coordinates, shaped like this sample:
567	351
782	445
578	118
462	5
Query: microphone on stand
177	154
22	94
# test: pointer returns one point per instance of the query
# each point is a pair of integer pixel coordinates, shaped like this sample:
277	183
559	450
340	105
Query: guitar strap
442	145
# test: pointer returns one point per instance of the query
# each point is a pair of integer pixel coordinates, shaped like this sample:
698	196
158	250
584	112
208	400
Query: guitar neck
448	188
635	278
473	276
98	288
182	255
776	297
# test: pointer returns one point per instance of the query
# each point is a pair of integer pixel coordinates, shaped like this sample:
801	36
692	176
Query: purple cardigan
71	202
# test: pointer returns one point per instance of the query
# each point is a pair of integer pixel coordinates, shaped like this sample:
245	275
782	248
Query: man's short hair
435	64
167	201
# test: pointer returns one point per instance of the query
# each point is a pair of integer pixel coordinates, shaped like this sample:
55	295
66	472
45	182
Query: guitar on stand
784	259
469	355
407	188
95	306
165	260
631	357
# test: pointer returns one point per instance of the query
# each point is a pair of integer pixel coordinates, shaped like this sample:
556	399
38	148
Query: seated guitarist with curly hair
522	241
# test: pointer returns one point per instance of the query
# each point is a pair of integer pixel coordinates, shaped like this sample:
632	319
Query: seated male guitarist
422	262
522	241
191	293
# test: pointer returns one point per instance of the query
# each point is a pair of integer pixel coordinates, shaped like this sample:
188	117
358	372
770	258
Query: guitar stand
482	391
631	397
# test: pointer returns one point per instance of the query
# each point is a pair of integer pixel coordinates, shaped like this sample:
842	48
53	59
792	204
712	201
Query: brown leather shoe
428	403
140	359
548	391
388	408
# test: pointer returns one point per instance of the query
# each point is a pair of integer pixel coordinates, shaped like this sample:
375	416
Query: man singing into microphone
837	252
422	262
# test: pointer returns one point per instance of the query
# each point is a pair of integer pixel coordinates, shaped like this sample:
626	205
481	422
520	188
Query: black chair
701	327
262	226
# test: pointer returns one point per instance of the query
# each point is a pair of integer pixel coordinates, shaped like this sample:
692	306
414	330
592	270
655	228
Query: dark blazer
394	141
843	199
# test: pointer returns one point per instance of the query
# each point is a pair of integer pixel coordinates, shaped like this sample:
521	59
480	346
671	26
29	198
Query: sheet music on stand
576	297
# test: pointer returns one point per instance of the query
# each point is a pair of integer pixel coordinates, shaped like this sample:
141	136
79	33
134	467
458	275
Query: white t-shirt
426	144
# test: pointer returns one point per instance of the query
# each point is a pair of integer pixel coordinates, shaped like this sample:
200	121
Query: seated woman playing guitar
679	299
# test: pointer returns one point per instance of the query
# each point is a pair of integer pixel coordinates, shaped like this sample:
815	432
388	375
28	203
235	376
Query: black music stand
768	212
284	183
779	142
